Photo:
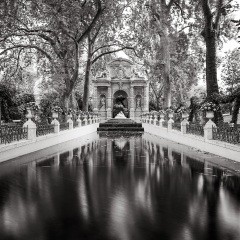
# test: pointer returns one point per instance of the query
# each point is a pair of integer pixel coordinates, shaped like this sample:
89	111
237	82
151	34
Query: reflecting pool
120	188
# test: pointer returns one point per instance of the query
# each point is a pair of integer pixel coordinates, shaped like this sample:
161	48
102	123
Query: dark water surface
118	188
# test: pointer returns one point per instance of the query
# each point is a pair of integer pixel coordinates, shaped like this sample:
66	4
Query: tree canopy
62	43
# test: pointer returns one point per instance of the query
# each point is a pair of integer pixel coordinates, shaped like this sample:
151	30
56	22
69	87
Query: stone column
109	103
95	103
184	124
146	98
131	102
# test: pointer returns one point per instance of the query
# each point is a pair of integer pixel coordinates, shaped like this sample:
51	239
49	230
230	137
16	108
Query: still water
119	188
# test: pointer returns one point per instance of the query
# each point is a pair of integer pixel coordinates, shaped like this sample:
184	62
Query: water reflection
115	187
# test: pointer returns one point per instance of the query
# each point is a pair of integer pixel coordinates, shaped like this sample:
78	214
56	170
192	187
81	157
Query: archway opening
120	103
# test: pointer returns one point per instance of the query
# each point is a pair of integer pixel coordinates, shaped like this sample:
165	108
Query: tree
230	74
54	30
102	40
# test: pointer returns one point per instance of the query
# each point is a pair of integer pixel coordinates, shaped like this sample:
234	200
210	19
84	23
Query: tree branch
206	9
219	13
104	46
113	51
28	46
19	53
181	10
91	25
96	34
170	4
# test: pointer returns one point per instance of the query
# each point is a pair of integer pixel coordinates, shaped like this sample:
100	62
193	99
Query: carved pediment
120	69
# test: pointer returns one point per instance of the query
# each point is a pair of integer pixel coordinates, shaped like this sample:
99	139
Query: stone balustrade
153	120
32	128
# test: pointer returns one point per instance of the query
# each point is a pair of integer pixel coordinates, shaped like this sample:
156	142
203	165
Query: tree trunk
65	99
235	110
166	70
211	68
87	76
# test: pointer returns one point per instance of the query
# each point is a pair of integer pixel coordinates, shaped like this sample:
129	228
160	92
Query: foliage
32	106
162	112
230	74
57	109
182	109
209	106
52	33
169	110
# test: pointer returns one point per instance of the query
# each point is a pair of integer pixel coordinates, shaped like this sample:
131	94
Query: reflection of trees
148	199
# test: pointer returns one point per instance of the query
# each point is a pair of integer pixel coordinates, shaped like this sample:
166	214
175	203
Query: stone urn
162	115
54	115
209	114
185	115
69	116
29	113
170	115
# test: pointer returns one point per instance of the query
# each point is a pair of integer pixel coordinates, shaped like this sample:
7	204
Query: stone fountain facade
120	78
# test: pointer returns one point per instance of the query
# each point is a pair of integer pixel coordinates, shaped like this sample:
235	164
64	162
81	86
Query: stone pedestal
70	123
170	123
208	129
161	121
184	124
31	126
109	113
56	124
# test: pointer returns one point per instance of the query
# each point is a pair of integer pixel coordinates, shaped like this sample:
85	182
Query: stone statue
135	74
104	74
138	102
103	103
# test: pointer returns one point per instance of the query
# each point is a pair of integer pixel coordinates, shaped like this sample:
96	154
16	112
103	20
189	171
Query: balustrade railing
10	134
64	126
195	129
165	124
176	126
227	134
44	129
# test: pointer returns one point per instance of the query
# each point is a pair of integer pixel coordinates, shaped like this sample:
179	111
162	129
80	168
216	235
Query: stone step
116	128
120	124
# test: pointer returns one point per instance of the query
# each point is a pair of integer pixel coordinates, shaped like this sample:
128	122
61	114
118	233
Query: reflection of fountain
121	143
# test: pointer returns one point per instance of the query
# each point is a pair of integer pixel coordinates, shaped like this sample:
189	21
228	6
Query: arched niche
138	102
120	97
102	102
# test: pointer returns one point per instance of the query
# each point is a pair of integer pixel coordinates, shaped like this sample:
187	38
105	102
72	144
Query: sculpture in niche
102	105
138	102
